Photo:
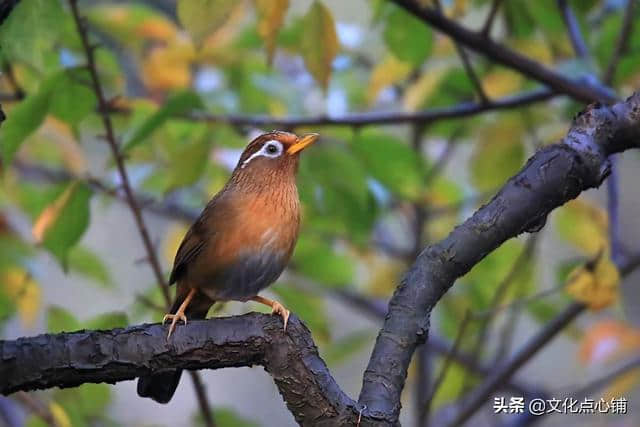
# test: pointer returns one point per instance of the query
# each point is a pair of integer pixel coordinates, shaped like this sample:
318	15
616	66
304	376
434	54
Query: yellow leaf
319	43
72	152
584	224
51	213
157	29
169	67
25	292
501	82
389	71
172	241
420	91
621	386
59	415
270	18
203	17
535	49
595	283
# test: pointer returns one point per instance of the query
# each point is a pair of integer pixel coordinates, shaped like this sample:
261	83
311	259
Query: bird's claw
174	319
282	312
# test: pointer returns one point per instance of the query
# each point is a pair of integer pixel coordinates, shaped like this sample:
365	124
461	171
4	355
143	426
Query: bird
240	243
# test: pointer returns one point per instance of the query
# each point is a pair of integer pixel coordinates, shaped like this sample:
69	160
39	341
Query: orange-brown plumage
241	242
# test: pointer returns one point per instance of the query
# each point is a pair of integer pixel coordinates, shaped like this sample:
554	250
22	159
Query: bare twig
471	73
103	105
622	44
38	408
488	23
579	46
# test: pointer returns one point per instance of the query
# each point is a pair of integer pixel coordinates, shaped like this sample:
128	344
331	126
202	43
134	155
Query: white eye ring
271	149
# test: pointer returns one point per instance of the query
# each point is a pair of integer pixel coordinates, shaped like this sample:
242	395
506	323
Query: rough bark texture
553	176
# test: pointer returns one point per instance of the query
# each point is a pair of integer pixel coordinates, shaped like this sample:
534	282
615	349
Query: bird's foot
174	319
279	309
276	308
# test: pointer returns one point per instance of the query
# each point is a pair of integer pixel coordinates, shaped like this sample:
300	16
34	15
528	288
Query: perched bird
241	242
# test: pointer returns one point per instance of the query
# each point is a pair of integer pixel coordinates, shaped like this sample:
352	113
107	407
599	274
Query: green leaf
61	320
71	100
61	224
409	38
391	162
190	161
202	17
498	153
85	262
115	319
319	42
24	119
179	103
320	262
270	19
31	31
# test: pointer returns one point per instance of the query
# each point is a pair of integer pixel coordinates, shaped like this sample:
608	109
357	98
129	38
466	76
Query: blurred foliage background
187	84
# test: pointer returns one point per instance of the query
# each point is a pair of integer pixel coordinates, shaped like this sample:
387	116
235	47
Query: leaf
61	320
24	119
421	90
595	283
271	15
83	261
408	38
31	30
115	319
501	82
320	262
319	42
499	152
169	66
179	103
584	225
190	162
385	73
59	415
71	100
62	223
203	17
391	162
24	293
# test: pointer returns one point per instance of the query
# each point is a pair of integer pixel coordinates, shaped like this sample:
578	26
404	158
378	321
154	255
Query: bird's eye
272	149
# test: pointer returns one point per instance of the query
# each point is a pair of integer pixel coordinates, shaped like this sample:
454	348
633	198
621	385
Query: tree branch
71	359
553	176
579	90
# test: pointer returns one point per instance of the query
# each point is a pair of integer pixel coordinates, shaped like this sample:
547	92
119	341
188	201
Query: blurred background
441	128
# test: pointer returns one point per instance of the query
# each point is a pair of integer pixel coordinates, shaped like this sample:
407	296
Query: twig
622	44
496	300
579	46
38	408
446	363
583	91
464	109
126	186
613	201
488	23
471	73
481	393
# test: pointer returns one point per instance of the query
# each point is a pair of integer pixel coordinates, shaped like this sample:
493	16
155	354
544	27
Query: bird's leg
179	315
276	308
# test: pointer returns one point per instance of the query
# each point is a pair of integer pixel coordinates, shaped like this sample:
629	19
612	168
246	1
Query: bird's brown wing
189	249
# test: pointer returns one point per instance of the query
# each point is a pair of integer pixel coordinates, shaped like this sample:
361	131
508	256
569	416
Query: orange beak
303	142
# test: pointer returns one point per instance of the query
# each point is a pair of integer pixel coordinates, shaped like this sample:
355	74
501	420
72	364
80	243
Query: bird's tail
161	385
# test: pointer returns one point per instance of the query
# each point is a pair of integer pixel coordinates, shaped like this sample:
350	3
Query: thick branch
71	359
553	176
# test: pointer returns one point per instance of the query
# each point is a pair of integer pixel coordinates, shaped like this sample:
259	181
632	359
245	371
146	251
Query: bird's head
272	156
